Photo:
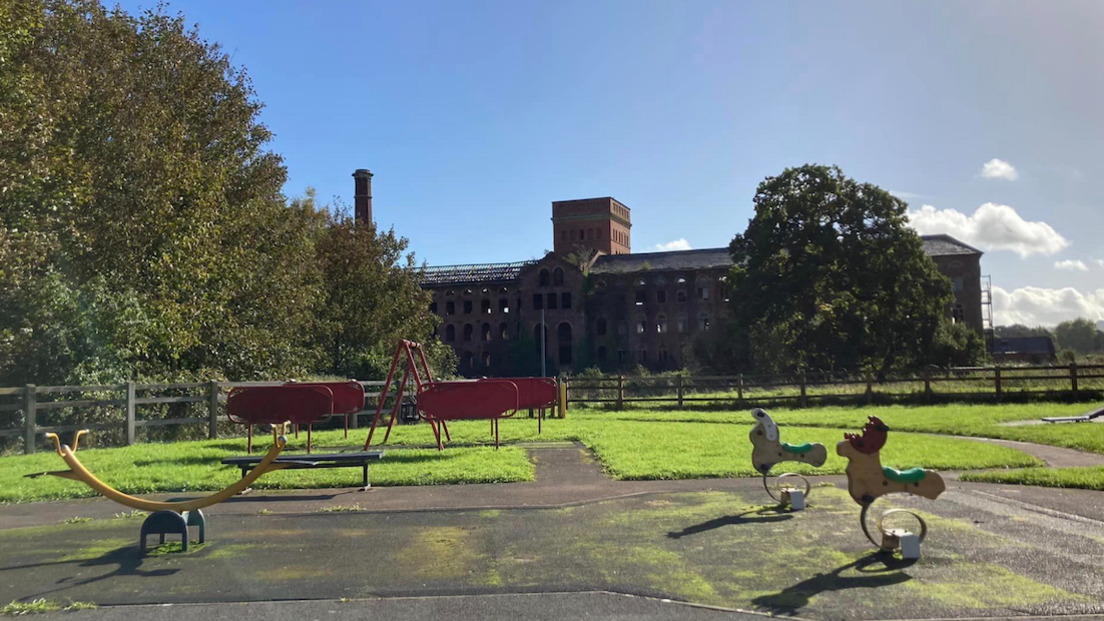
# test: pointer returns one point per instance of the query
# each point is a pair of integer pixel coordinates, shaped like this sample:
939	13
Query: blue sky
475	116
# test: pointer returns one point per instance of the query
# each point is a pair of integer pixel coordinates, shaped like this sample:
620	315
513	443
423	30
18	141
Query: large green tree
1080	335
829	276
143	229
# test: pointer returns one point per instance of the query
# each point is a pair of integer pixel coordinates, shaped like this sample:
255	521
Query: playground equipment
306	403
868	480
1087	417
439	402
167	517
767	451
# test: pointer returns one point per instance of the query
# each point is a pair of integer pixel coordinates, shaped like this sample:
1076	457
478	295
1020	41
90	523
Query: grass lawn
1082	478
952	419
630	445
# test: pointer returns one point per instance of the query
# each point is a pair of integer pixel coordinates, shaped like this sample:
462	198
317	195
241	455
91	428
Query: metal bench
292	462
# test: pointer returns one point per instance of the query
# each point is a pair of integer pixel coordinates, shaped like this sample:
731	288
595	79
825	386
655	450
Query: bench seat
307	462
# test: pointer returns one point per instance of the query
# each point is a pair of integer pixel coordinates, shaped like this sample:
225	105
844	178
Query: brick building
601	303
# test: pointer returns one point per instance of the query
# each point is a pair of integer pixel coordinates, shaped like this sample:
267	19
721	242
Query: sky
985	116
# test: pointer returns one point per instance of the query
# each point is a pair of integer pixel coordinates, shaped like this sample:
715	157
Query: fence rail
995	383
125	397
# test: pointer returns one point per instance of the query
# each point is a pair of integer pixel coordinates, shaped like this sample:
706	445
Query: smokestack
362	196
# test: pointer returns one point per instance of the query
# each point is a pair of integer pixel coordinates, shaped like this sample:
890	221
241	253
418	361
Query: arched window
467	332
486	360
661	282
661	324
563	338
450	333
544	278
641	324
681	323
485	306
958	315
600	326
485	333
640	282
468	360
680	281
503	331
557	276
680	295
703	288
703	322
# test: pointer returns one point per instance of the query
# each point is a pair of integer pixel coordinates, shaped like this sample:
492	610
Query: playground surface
569	543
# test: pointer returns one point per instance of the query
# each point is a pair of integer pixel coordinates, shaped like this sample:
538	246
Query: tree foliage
143	229
1079	335
829	276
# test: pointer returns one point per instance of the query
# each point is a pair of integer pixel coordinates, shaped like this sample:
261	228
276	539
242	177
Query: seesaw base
162	523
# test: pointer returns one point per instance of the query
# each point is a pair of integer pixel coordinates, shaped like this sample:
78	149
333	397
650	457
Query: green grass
631	445
42	606
1091	477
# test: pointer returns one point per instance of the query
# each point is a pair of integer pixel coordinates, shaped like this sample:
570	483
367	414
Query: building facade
591	301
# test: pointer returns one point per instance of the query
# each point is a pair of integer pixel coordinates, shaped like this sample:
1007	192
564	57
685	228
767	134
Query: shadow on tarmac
877	569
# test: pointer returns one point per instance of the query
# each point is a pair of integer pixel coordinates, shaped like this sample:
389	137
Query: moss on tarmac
718	548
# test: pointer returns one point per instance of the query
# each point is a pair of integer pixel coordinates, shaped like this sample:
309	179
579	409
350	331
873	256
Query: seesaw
868	480
165	517
767	451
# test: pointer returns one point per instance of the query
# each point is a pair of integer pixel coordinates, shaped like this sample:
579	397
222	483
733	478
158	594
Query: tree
1079	335
1017	330
371	297
829	276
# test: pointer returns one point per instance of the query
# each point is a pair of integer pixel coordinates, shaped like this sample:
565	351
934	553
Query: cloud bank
991	227
1073	265
1034	306
999	169
678	244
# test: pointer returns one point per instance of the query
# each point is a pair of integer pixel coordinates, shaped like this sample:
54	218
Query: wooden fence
33	400
991	383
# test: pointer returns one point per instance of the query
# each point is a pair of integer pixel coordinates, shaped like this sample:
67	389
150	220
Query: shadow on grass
758	516
877	569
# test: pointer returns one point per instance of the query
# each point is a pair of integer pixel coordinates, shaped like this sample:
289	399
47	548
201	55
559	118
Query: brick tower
362	196
600	224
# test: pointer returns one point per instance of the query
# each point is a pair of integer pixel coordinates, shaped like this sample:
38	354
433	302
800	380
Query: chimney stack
362	196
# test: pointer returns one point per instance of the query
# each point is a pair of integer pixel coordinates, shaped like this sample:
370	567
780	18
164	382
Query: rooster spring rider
868	479
767	451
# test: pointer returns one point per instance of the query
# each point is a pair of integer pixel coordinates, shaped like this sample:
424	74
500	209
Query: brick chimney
362	196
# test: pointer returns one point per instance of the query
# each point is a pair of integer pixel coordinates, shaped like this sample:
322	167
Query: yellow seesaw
77	472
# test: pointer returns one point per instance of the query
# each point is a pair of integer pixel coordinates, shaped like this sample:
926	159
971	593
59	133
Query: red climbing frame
438	402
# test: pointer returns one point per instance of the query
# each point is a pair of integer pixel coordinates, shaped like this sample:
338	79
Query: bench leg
309	427
365	482
249	439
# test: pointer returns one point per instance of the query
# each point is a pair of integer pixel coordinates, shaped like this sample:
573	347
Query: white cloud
678	244
1099	262
1038	306
905	195
999	169
992	227
1073	265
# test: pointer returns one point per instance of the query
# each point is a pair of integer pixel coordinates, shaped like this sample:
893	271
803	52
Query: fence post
1073	378
620	392
213	409
869	390
740	390
130	390
804	401
997	381
679	391
927	384
30	401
